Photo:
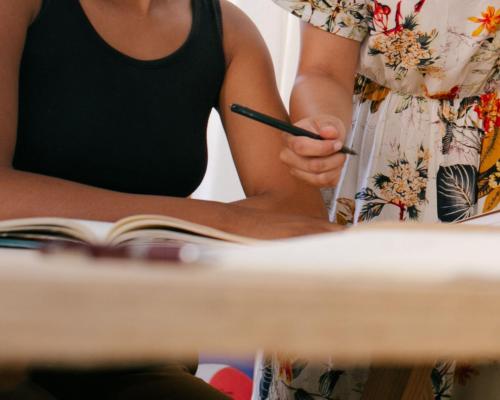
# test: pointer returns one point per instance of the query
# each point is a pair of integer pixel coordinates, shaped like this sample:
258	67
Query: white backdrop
281	34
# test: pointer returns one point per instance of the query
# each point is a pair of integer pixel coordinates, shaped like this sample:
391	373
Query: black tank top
90	114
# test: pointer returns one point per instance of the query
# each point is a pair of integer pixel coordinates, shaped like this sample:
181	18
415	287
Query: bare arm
322	102
255	147
24	194
325	79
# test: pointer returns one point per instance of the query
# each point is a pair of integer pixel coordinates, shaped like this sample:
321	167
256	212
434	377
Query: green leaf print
410	22
367	194
371	211
456	192
297	367
328	381
380	180
413	212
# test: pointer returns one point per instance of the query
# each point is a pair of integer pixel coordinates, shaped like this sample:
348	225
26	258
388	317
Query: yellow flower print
492	188
494	179
345	211
406	50
488	112
404	186
490	21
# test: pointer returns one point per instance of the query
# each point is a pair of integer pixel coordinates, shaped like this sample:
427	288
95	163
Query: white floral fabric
426	127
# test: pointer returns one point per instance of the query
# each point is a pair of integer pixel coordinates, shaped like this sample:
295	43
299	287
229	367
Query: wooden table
77	311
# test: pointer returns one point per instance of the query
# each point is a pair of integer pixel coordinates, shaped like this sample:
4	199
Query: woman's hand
261	224
276	227
317	162
322	102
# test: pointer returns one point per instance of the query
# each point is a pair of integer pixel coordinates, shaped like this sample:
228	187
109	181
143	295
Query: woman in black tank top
103	113
104	108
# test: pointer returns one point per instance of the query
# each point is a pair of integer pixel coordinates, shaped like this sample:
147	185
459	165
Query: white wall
280	32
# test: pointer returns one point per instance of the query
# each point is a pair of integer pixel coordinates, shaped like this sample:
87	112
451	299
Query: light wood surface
77	312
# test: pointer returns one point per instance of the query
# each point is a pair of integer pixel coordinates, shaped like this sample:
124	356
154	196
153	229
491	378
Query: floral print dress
426	126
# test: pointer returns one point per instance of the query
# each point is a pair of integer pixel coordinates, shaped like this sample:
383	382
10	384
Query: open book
32	232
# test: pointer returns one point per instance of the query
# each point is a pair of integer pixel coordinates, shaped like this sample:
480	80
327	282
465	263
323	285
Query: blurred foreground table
70	311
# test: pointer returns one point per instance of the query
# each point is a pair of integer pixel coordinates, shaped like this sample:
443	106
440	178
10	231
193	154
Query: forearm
317	93
304	200
24	194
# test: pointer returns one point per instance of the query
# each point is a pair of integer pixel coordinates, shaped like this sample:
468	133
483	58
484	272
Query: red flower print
419	6
488	110
381	15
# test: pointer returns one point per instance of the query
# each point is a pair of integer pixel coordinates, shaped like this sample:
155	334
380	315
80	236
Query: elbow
323	77
314	73
6	171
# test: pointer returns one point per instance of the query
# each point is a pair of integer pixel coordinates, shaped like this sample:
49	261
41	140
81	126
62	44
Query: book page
100	230
47	228
161	236
141	228
162	226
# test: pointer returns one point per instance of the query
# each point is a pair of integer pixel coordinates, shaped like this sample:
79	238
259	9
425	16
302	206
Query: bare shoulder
240	33
20	10
15	18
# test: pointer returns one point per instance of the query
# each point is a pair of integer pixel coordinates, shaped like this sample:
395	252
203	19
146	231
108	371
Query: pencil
281	125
